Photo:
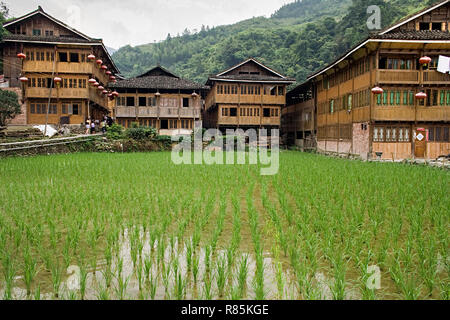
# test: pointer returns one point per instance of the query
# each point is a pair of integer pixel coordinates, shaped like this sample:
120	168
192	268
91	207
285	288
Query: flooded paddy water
136	226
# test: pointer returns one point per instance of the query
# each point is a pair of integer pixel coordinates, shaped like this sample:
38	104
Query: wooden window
435	94
332	106
32	108
130	102
397	97
62	56
233	112
266	112
64	109
36	32
379	96
273	91
385	97
48	33
186	102
448	97
74	57
405	97
53	109
411	98
142	101
152	101
76	109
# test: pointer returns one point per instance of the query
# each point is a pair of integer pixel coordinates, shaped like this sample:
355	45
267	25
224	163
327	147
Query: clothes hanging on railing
443	64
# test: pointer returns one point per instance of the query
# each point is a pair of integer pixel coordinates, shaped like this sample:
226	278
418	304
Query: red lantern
425	60
96	84
112	77
421	96
21	55
23	79
104	67
110	95
115	93
100	88
105	91
377	90
57	80
99	62
92	81
108	73
91	57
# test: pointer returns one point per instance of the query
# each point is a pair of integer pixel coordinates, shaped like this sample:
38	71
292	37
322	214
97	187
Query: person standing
88	126
103	126
92	127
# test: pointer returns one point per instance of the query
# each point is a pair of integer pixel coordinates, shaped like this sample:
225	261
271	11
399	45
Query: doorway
164	124
420	143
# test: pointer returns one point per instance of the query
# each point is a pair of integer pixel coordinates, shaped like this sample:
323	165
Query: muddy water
125	284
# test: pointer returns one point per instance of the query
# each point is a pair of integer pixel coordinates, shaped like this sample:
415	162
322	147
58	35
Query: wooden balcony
245	99
87	68
62	93
126	112
154	112
433	114
434	77
393	113
149	112
398	76
272	121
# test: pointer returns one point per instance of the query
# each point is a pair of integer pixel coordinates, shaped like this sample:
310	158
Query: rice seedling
321	215
242	275
195	267
153	284
56	278
30	269
103	294
221	275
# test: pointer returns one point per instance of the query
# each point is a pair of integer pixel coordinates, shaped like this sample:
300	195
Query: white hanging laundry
443	64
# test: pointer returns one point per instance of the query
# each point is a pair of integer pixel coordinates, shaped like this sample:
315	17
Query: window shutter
70	111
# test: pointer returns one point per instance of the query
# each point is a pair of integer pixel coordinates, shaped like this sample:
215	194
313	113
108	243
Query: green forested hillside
297	39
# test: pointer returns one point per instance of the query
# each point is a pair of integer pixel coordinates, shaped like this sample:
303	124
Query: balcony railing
153	112
398	76
433	76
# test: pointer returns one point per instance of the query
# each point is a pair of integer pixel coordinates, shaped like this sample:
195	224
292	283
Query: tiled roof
20	37
414	35
158	82
252	77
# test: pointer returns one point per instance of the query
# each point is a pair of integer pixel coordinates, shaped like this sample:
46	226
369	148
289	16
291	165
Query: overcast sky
134	22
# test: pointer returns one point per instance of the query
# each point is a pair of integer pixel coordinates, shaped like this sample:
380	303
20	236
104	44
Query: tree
9	106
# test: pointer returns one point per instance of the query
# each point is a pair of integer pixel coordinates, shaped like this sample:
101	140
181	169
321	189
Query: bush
115	132
165	140
141	133
9	106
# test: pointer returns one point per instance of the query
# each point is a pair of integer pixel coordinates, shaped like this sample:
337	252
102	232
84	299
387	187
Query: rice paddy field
136	226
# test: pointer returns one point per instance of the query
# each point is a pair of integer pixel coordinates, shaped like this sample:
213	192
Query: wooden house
159	99
409	117
50	64
248	95
298	119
